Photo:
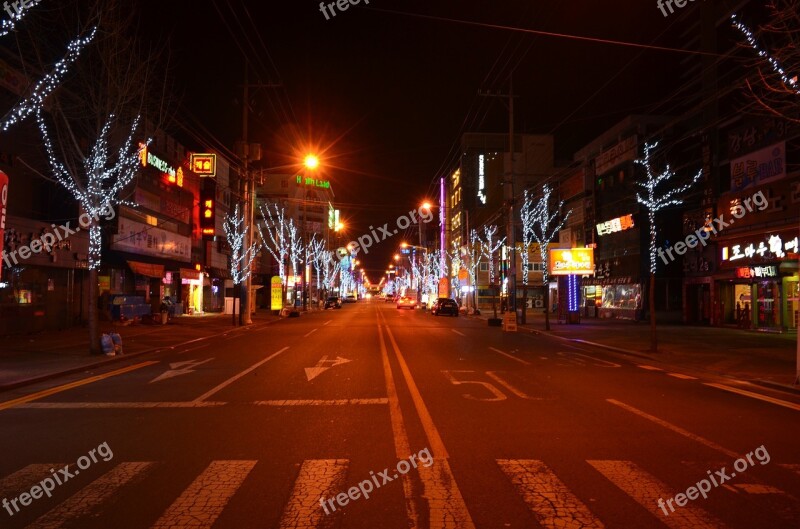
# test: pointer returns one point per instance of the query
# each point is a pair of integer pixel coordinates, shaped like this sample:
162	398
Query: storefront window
622	297
768	293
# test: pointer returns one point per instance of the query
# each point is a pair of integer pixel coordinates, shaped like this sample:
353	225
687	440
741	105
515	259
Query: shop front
757	285
617	297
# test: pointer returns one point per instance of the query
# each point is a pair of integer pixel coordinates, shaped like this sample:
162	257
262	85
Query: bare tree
89	131
241	256
488	247
776	43
655	201
543	227
278	243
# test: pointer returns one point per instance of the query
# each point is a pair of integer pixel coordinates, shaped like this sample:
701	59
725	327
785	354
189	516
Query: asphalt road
255	428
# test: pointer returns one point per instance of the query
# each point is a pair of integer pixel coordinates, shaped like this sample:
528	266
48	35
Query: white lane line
233	379
458	332
318	482
494	376
646	490
771	400
514	358
649	368
204	500
682	376
327	322
402	447
83	502
309	333
22	479
676	429
118	405
554	506
599	361
335	402
194	348
447	508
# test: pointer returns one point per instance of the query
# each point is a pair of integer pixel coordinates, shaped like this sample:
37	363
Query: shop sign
204	165
774	247
759	167
138	238
3	207
572	261
615	225
619	153
276	287
482	178
148	158
313	182
754	272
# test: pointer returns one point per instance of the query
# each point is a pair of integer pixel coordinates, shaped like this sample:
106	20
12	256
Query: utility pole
508	196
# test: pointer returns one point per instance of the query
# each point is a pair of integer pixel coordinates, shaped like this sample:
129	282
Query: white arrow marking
314	372
180	368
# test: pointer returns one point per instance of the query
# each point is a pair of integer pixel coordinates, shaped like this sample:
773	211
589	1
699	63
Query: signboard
615	225
444	288
482	179
204	165
308	181
510	322
571	261
149	159
136	237
619	153
3	208
759	167
755	272
276	293
771	246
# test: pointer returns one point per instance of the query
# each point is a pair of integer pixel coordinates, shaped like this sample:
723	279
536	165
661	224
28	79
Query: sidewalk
745	355
25	359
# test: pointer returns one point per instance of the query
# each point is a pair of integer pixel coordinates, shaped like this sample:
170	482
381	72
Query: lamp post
311	162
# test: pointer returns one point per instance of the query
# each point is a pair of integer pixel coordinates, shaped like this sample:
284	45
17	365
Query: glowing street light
311	161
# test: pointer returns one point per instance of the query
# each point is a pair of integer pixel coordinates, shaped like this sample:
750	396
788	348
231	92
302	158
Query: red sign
204	164
3	208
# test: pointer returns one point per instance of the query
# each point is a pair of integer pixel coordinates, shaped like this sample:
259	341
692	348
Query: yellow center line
58	389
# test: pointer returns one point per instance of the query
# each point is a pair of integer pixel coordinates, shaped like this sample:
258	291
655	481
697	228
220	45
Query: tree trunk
233	304
546	307
94	314
653	338
525	304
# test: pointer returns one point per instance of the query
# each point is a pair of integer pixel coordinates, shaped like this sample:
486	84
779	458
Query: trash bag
107	345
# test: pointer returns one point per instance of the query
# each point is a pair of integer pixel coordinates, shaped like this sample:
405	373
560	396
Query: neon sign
481	178
148	158
615	225
774	247
325	184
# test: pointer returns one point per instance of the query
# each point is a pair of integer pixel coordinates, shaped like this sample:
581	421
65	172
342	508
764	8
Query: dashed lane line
233	379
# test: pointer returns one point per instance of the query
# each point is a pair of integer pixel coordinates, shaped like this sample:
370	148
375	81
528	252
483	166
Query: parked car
350	299
406	303
333	303
445	306
390	298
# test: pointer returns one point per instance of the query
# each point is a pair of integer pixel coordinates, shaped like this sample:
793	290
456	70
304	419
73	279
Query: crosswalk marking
554	506
682	376
93	495
23	479
646	490
319	479
203	501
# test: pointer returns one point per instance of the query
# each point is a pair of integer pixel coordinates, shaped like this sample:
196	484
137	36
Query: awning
188	273
146	269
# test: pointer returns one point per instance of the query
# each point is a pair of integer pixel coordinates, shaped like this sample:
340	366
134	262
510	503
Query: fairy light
542	225
488	249
572	290
789	82
46	85
655	203
17	14
241	257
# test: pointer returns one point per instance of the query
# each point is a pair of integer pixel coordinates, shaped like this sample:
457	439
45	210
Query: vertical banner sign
277	293
3	209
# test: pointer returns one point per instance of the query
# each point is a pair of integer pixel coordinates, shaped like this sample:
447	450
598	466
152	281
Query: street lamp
311	161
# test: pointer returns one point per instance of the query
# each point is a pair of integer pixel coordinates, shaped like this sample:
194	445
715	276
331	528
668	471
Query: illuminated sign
481	178
204	165
754	272
313	182
277	293
3	207
148	158
615	225
774	247
572	261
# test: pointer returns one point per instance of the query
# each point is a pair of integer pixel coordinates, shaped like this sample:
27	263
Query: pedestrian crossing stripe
203	501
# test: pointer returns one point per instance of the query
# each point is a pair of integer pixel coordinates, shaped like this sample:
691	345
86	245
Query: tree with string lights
277	241
542	226
654	201
775	88
91	132
242	256
488	247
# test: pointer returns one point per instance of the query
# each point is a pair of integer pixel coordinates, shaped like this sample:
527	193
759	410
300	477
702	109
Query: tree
654	204
776	87
543	226
473	262
315	253
488	248
241	256
526	216
295	246
89	130
456	264
278	242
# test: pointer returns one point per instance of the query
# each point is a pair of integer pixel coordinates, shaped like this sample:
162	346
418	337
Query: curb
777	386
112	360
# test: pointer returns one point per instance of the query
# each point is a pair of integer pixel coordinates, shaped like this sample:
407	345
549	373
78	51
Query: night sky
384	95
